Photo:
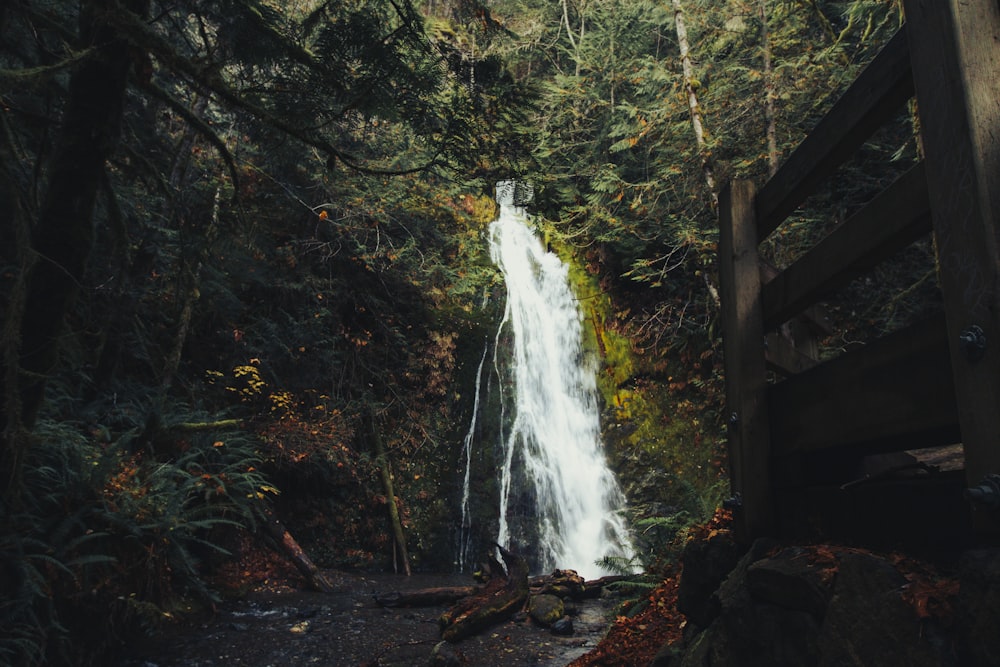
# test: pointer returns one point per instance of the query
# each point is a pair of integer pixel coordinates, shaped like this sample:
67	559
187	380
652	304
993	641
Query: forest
244	274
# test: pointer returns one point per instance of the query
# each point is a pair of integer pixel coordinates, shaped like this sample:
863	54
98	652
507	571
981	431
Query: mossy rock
545	609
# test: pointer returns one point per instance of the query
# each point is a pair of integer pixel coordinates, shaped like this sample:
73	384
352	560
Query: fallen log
561	583
426	597
502	597
548	583
287	544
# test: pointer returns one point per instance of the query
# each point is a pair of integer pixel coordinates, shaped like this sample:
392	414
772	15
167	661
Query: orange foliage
255	567
636	640
294	438
721	520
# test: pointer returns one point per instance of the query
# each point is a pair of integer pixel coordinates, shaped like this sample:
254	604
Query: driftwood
288	545
501	597
426	597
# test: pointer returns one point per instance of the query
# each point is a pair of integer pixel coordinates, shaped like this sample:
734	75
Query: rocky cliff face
778	604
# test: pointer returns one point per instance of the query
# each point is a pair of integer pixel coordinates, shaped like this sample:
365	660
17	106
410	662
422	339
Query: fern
111	520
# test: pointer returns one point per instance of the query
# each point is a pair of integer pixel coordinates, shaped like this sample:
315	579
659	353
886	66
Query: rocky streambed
348	627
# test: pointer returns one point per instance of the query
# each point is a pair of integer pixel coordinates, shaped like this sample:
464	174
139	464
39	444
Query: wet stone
564	626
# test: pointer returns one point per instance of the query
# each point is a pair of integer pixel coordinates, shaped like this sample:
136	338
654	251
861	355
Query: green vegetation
233	227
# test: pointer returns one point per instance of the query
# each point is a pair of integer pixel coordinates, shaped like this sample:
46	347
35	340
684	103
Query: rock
300	628
732	585
789	580
545	609
759	634
444	655
978	607
754	631
706	563
564	626
868	622
667	656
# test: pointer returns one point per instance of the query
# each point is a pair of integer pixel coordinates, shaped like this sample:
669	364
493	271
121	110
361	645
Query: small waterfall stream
560	504
465	532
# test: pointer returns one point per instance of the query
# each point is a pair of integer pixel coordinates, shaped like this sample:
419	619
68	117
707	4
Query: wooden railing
797	444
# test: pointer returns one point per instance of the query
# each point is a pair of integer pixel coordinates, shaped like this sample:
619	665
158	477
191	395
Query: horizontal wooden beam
898	388
872	99
890	222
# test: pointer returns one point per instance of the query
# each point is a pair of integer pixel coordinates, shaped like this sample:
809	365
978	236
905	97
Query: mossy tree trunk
503	596
382	461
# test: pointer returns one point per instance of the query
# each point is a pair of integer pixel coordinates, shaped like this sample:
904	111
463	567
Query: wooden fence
798	445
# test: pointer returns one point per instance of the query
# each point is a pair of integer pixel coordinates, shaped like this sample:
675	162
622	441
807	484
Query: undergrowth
106	539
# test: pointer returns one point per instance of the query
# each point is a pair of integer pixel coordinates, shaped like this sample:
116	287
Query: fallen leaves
636	639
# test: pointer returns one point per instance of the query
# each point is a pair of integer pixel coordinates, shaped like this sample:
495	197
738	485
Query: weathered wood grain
895	388
743	337
955	48
889	223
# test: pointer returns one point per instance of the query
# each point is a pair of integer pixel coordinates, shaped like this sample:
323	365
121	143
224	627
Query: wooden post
746	386
956	70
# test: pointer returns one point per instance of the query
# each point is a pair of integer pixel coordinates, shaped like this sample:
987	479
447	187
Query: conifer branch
201	126
33	75
209	80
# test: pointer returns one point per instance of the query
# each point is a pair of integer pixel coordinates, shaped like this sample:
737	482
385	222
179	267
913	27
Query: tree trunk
691	87
426	597
382	461
291	548
191	278
575	42
501	598
769	115
14	235
63	235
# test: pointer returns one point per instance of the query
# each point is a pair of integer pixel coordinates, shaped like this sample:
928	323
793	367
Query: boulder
978	607
790	580
761	625
706	563
868	622
829	606
545	609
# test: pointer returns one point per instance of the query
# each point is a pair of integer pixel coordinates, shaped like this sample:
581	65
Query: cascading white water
465	534
553	444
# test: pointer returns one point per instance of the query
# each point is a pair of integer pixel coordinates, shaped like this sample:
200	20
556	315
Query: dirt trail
290	628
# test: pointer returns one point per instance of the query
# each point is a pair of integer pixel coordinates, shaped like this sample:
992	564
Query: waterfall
560	504
465	534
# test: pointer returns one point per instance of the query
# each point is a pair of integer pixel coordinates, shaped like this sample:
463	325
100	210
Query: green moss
659	412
